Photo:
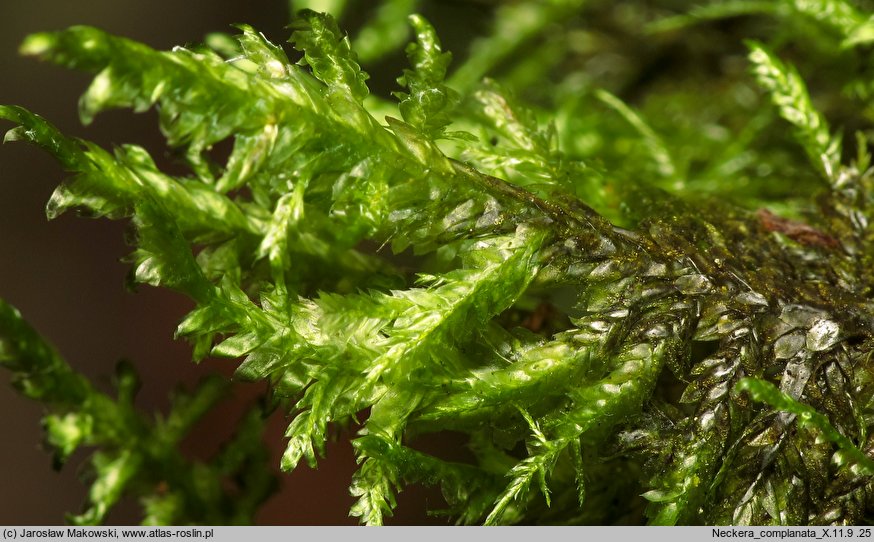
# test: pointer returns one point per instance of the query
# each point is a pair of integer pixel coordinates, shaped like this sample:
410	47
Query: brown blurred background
66	278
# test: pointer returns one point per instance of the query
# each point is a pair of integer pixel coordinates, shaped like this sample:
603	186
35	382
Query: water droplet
823	335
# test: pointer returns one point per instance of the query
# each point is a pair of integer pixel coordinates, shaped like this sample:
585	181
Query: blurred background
67	279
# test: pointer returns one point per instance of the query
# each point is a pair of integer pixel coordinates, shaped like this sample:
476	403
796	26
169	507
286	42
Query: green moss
641	261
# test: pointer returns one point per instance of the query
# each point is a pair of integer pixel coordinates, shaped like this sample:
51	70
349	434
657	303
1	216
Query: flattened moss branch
643	293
